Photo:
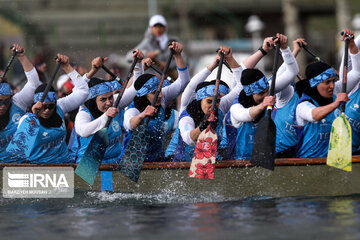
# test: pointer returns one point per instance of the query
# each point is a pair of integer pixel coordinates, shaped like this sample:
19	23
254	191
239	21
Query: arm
96	64
353	67
133	117
304	113
25	97
85	127
80	92
292	69
227	100
189	92
251	61
130	91
188	131
318	113
172	91
239	114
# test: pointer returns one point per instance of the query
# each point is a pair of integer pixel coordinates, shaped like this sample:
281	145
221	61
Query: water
97	215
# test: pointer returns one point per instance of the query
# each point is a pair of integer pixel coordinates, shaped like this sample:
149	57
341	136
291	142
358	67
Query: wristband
262	50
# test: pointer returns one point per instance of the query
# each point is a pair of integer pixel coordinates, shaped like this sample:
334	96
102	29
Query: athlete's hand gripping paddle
340	144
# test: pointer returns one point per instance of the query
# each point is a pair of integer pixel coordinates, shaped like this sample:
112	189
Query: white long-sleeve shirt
25	97
304	109
283	90
187	124
76	98
169	93
86	127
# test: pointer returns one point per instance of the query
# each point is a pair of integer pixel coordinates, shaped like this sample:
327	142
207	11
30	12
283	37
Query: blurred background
83	29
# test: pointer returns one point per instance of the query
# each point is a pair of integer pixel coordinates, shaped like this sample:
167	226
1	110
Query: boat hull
235	179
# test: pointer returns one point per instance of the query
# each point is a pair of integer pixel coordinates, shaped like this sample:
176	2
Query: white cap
61	80
157	19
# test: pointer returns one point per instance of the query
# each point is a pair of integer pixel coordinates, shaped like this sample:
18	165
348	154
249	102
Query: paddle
135	153
95	151
340	143
311	53
7	67
113	75
203	161
263	152
29	128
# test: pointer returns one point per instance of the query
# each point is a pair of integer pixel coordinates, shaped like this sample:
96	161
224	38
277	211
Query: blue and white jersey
170	150
352	114
8	132
185	152
114	149
313	138
245	140
158	129
286	136
50	146
228	141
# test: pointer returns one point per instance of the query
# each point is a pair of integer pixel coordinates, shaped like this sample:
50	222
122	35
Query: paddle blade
203	161
135	153
340	152
263	152
26	133
92	158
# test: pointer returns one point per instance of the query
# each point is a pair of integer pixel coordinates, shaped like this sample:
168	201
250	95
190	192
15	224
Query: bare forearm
91	73
136	121
26	64
251	61
319	113
256	110
180	61
233	63
68	69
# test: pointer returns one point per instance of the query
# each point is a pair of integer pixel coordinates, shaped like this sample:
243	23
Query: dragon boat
233	179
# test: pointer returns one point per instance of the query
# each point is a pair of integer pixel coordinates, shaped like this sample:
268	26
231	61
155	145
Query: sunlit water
165	216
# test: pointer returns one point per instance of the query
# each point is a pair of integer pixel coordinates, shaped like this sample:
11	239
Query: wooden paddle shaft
311	53
8	64
49	84
158	90
114	77
274	70
117	101
346	57
217	83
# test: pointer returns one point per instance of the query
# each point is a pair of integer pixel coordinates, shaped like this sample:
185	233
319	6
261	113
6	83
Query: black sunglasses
5	102
49	106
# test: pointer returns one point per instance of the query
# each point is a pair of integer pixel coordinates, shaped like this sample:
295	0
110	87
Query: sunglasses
5	102
49	106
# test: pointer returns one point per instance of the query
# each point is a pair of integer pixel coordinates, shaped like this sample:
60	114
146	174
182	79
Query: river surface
96	215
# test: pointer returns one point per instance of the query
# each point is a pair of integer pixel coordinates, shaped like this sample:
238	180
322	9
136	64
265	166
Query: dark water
165	216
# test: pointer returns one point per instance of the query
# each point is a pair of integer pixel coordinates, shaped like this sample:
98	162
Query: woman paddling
98	108
158	126
12	108
318	105
49	145
250	106
196	103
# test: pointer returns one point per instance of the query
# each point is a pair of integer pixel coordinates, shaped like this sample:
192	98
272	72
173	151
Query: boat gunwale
186	165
